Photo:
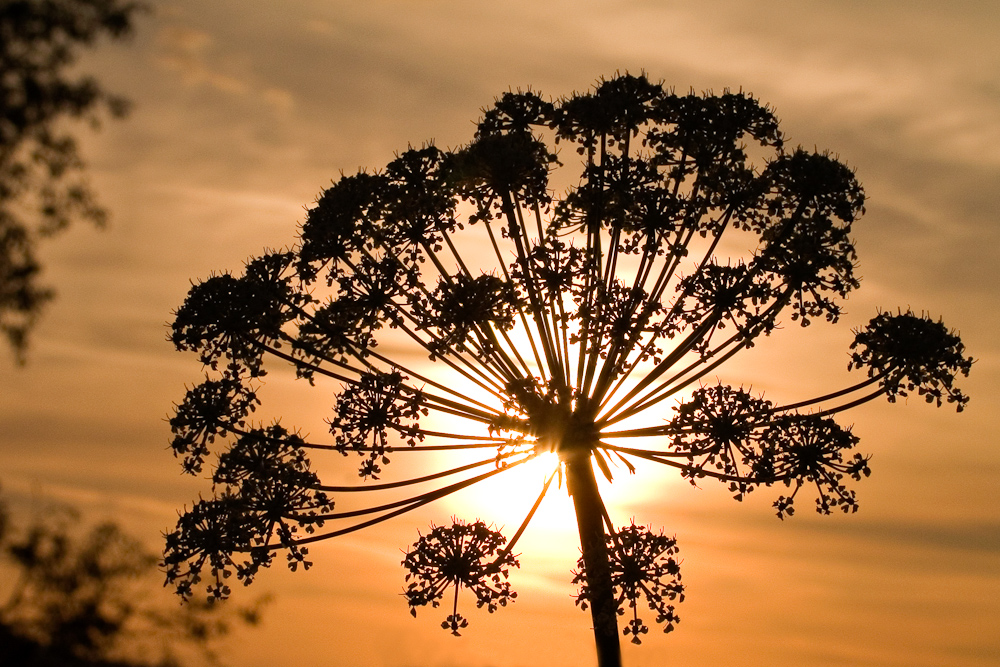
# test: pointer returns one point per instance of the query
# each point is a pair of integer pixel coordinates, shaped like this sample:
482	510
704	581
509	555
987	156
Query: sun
506	499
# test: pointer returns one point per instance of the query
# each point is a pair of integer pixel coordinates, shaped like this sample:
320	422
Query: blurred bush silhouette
78	595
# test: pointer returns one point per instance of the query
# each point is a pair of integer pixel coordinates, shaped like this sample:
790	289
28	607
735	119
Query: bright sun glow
507	498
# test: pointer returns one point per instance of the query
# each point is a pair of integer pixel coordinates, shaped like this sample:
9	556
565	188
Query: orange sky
246	109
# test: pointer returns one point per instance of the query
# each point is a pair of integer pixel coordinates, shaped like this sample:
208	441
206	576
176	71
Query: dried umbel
559	285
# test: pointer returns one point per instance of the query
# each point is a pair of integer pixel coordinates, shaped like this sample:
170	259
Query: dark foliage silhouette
42	189
80	598
586	324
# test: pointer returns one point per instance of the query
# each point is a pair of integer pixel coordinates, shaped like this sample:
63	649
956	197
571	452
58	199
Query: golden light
506	499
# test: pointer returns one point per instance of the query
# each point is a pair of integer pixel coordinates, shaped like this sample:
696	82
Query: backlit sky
245	109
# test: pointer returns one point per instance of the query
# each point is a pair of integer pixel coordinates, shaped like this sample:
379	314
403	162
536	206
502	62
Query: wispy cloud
185	52
196	56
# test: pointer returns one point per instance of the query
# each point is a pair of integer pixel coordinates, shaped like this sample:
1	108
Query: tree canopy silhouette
42	189
585	324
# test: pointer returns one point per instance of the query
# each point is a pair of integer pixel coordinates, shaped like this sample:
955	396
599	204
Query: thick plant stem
582	485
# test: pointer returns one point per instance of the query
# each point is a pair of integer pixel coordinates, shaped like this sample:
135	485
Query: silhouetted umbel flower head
472	301
910	352
643	565
461	556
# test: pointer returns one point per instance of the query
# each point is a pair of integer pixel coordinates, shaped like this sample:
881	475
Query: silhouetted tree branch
42	188
552	323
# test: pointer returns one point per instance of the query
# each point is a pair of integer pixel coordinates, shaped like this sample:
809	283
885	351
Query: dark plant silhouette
586	324
41	185
80	597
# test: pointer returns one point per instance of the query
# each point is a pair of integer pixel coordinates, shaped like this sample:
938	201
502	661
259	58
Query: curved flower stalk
455	302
